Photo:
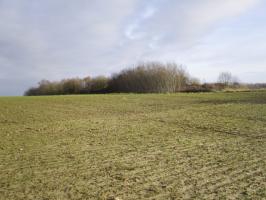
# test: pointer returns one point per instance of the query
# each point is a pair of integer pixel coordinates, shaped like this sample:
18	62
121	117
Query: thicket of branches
153	77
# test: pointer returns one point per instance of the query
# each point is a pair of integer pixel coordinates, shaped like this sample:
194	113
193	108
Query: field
134	146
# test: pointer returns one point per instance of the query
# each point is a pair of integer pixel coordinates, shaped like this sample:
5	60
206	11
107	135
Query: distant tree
225	78
99	84
72	86
182	78
86	85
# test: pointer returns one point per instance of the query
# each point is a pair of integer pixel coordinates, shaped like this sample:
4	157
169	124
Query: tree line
150	77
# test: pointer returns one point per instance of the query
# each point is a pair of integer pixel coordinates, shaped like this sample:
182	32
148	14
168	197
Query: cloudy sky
55	39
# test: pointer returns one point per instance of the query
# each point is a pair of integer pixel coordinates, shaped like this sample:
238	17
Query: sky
56	39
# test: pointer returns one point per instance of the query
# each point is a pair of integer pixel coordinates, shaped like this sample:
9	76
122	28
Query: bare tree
226	78
99	84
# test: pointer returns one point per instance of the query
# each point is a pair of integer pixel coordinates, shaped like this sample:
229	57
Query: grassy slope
133	146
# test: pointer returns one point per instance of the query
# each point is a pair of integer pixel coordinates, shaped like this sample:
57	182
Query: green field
134	146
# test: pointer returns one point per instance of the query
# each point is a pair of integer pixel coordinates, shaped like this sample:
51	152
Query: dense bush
152	77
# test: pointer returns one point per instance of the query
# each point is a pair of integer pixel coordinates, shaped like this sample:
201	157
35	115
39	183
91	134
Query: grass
155	146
